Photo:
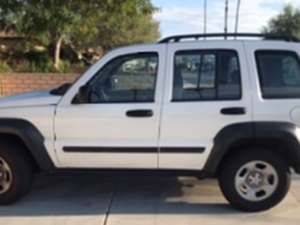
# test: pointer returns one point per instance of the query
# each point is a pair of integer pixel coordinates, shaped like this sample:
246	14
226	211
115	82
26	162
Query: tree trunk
57	53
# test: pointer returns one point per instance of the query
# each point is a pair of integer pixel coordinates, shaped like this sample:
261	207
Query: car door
118	126
207	89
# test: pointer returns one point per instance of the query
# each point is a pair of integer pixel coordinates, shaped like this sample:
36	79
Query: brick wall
16	83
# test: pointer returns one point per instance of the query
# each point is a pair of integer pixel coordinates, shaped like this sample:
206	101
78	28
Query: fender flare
255	131
31	137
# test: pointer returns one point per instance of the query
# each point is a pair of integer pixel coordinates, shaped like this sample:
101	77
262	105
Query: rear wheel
254	180
16	173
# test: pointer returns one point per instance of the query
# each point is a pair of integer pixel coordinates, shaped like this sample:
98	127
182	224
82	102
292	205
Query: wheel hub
255	179
1	175
5	176
2	172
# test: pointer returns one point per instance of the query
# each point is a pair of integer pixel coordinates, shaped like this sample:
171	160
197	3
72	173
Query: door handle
139	113
233	111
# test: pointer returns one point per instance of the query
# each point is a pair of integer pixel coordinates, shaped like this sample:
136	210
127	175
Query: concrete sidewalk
68	200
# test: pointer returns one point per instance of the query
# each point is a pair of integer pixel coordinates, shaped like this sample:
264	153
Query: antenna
237	17
226	19
205	17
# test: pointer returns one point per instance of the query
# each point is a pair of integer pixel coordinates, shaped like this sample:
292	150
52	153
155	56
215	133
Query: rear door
207	89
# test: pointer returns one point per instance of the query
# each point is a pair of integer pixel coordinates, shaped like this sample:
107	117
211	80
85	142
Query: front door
119	125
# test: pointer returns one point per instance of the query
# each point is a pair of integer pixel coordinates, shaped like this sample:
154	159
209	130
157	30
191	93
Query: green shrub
4	67
42	65
26	66
45	67
65	66
79	67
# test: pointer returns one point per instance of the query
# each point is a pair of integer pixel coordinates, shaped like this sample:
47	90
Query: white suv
213	108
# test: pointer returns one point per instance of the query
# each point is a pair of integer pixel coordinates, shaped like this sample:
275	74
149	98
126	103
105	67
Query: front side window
206	75
279	73
130	78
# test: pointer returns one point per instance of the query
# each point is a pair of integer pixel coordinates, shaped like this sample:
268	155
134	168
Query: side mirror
82	96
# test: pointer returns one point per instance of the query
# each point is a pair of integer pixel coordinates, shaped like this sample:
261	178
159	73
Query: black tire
230	167
21	168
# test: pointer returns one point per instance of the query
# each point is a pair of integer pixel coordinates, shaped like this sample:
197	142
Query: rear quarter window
279	74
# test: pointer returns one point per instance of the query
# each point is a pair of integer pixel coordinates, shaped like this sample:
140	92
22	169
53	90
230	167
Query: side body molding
256	132
31	137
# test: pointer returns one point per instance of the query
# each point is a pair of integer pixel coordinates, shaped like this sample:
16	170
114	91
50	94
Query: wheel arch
27	134
279	137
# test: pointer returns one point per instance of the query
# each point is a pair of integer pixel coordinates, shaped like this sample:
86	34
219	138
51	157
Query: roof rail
177	38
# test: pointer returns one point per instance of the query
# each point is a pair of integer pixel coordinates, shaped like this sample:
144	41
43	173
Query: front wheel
254	180
16	173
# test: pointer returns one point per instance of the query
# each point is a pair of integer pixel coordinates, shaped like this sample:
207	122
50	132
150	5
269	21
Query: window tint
206	75
129	78
279	73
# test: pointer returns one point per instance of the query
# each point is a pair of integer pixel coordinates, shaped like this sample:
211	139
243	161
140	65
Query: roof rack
178	38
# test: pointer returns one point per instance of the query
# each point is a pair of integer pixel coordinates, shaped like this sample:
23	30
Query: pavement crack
110	205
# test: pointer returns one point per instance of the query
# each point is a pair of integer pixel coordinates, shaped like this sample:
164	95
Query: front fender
31	137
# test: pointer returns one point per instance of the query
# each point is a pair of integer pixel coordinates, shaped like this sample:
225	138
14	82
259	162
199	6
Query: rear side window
206	75
279	74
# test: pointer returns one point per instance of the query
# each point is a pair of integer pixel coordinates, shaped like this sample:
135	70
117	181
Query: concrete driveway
94	199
